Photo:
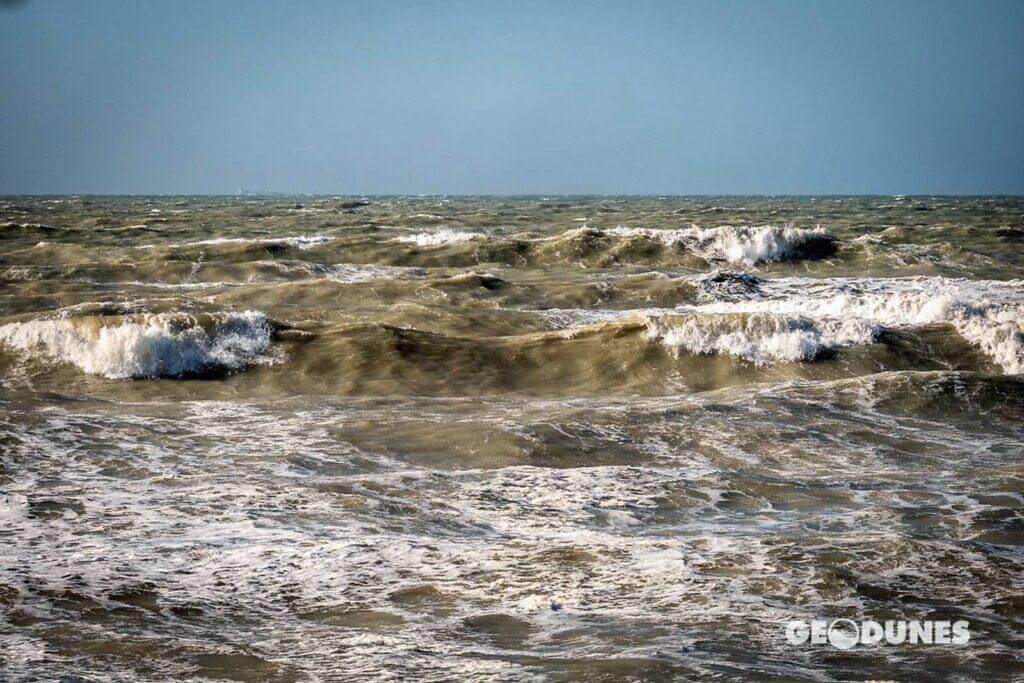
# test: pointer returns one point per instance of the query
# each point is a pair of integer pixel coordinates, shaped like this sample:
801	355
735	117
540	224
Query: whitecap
439	237
760	338
302	242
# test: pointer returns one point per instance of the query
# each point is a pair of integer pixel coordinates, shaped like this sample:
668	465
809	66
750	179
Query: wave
742	245
887	249
148	346
474	354
349	273
986	313
691	248
799	319
745	245
794	319
301	242
12	229
759	337
439	237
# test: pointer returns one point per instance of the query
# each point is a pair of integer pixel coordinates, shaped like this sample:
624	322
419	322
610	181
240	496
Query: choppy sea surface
530	438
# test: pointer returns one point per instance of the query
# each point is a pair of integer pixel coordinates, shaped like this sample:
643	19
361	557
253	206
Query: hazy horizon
499	195
456	98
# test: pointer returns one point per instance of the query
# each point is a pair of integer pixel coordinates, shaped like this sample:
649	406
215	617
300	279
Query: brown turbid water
531	438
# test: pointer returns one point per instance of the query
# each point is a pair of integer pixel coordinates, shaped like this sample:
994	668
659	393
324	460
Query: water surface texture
538	438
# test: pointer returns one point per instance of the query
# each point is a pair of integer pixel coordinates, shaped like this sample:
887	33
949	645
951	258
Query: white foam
156	345
173	285
792	319
18	273
986	313
348	273
302	242
746	245
760	338
439	237
999	334
562	549
351	273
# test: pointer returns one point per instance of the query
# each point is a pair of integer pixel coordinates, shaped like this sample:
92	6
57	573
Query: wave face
160	345
507	438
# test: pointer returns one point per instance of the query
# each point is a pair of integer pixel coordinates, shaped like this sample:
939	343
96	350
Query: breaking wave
746	245
439	237
759	337
797	319
742	245
800	319
301	242
147	346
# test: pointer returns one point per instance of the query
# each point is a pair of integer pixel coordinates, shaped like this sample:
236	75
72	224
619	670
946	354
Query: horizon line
270	194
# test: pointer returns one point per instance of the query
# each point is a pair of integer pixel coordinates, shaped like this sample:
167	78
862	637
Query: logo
845	634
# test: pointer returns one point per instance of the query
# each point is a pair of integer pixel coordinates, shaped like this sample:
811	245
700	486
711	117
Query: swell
937	395
475	332
342	355
766	247
445	247
302	285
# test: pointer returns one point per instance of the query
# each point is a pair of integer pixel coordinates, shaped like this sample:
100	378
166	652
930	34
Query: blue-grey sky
141	96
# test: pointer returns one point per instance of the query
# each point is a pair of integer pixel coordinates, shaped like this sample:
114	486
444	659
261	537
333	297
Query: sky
511	97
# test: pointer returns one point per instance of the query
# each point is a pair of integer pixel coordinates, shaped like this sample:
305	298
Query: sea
316	438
